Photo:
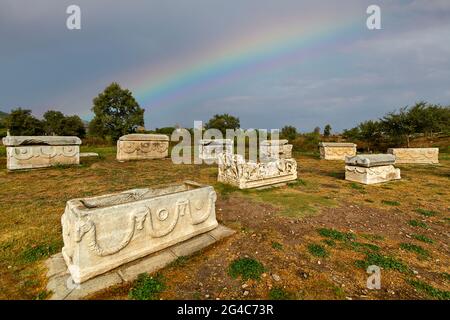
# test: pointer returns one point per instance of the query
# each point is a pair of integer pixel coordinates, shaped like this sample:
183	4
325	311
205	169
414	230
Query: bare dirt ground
276	227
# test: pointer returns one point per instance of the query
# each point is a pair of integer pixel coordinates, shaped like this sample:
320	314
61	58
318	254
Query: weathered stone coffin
102	233
29	152
275	149
210	149
336	150
415	155
142	147
371	169
234	170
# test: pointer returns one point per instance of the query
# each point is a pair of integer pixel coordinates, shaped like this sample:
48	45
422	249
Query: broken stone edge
63	288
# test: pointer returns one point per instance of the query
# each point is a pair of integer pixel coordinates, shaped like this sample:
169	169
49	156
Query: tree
222	122
116	113
316	130
53	122
399	124
289	132
327	130
370	131
73	126
20	122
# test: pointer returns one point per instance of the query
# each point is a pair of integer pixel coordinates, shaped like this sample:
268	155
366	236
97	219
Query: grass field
309	240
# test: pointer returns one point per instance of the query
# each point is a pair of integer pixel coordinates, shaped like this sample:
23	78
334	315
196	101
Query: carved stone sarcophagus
336	150
102	233
275	149
234	170
415	155
210	149
142	146
371	168
29	152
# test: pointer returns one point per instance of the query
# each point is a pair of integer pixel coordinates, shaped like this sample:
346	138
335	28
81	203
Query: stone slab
105	232
148	264
144	137
415	155
336	150
88	154
63	287
370	160
189	247
371	175
14	141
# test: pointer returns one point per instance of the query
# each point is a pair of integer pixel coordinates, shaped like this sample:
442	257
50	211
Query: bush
247	268
147	287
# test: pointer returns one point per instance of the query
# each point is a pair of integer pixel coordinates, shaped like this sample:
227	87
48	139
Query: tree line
398	127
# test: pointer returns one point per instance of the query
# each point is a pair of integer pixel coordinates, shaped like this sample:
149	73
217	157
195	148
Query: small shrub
390	203
335	234
278	293
247	268
385	262
147	287
277	245
329	242
359	246
422	238
416	223
414	248
35	253
317	250
426	213
356	186
429	290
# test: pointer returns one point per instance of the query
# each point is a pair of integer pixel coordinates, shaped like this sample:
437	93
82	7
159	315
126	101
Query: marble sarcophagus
138	146
371	168
29	152
210	149
275	149
234	170
415	155
102	233
336	150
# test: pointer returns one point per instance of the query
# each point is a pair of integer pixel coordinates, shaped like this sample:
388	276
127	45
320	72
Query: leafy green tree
289	132
370	131
116	113
53	122
223	122
20	122
73	126
399	124
327	130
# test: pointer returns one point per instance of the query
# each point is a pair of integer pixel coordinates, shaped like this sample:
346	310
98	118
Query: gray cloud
43	65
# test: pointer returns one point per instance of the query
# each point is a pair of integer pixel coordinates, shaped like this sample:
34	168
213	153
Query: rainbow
248	54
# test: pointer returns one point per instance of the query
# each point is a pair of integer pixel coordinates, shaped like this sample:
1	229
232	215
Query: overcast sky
269	62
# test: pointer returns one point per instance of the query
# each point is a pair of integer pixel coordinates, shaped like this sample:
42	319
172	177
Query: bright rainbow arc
244	57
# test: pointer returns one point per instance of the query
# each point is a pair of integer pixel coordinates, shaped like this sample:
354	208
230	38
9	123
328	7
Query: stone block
147	264
415	155
142	147
210	149
30	152
105	232
275	149
189	247
370	160
336	150
371	175
234	170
